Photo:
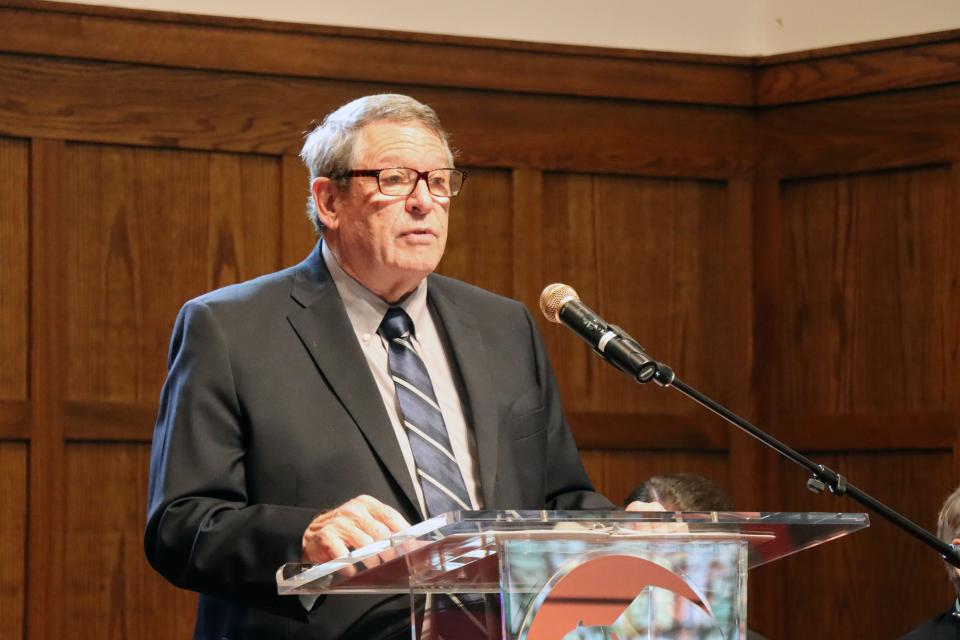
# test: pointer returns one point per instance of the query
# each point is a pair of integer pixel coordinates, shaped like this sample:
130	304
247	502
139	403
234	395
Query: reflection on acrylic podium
574	575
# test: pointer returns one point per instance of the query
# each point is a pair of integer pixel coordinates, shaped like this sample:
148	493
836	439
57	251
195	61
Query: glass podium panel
654	589
577	575
457	551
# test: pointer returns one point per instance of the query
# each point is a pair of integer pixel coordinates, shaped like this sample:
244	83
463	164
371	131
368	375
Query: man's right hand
354	524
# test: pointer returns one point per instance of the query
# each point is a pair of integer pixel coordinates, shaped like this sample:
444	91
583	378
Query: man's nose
421	199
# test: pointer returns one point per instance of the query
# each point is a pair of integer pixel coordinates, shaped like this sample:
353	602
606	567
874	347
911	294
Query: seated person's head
948	530
682	492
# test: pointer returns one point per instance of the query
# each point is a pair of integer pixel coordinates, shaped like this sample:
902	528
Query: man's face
390	243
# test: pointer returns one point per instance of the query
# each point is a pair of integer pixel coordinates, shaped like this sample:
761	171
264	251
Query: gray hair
328	150
948	529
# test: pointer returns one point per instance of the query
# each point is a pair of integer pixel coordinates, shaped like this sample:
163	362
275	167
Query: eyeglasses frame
421	175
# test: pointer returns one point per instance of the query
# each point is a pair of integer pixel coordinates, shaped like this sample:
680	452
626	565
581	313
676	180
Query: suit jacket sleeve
201	533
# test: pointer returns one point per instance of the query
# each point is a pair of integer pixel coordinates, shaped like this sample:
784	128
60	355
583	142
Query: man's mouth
418	234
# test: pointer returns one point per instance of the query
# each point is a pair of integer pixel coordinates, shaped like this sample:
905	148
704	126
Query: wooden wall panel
298	234
653	256
865	323
47	545
867	133
616	473
267	114
859	277
146	231
877	583
596	136
844	71
480	241
528	247
14	274
593	463
109	585
13	533
166	39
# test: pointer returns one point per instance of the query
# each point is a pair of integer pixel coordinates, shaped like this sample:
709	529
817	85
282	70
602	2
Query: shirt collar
365	308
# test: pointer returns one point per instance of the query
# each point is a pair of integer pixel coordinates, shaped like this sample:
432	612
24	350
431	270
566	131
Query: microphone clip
641	367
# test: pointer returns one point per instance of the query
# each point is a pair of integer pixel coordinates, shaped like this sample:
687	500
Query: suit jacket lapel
470	356
325	330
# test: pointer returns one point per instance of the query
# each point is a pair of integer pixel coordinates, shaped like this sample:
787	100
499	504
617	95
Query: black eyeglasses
402	181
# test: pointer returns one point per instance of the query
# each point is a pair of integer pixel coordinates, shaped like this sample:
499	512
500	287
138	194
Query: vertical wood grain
619	472
768	311
749	458
45	547
244	229
108	583
146	231
952	312
14	267
298	234
757	472
528	244
655	256
593	463
753	470
881	581
13	531
480	239
864	323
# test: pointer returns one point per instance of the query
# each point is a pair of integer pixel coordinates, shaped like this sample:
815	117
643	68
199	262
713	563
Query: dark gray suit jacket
941	627
270	415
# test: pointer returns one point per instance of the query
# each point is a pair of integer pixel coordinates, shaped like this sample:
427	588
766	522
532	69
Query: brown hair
682	492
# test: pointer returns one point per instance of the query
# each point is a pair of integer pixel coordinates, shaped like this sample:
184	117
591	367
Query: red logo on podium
598	591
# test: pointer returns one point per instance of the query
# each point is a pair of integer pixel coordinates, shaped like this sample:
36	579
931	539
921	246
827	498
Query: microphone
561	304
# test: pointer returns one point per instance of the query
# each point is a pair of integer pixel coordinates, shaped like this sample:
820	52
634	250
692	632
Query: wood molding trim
934	431
92	421
895	129
102	421
311	51
920	430
644	431
261	114
250	46
74	8
14	421
527	192
909	66
46	545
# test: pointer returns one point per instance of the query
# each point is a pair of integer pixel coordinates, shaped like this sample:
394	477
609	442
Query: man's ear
326	196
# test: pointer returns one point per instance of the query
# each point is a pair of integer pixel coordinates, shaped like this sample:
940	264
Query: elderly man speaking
314	410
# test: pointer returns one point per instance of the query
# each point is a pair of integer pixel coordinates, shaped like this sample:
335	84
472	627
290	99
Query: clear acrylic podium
574	575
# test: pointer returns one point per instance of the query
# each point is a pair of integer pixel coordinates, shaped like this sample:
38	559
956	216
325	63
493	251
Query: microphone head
553	298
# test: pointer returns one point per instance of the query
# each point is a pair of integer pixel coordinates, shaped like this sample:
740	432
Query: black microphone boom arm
821	477
616	347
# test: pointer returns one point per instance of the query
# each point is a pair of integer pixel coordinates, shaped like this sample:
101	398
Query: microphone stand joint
816	485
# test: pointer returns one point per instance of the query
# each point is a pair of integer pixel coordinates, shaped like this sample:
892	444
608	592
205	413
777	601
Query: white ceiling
729	27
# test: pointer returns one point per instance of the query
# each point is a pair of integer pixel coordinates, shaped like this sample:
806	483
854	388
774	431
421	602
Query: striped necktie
437	470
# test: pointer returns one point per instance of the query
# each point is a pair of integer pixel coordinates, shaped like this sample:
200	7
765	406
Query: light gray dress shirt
366	310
